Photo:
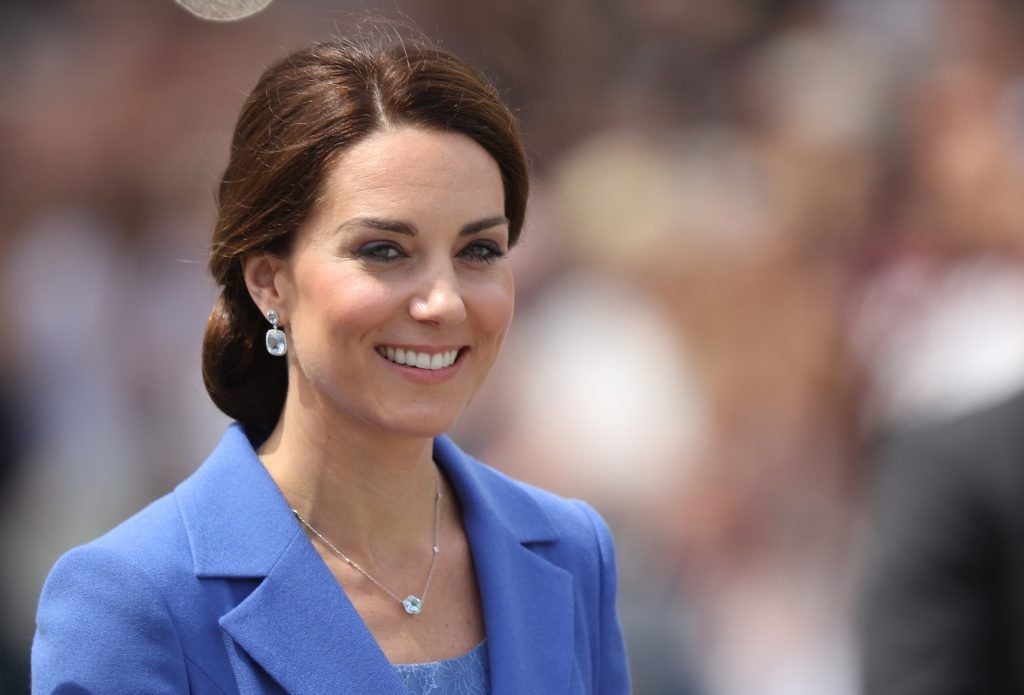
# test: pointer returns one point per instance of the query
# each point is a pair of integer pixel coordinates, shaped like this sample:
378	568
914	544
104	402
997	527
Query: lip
425	376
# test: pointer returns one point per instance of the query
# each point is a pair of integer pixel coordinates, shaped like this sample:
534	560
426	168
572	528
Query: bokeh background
764	234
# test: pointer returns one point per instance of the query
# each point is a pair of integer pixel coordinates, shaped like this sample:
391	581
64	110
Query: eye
483	250
380	251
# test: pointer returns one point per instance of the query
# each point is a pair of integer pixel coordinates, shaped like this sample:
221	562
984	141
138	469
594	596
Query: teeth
420	360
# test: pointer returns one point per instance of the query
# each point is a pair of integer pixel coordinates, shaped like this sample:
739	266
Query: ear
263	273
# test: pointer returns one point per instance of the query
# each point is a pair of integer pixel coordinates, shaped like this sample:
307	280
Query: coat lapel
297	624
527	601
300	628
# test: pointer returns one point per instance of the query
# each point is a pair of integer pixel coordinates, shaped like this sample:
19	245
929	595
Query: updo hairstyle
304	110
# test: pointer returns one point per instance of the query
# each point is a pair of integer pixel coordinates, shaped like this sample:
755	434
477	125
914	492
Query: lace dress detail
463	675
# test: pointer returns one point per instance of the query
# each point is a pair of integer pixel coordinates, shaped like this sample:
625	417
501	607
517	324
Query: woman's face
404	259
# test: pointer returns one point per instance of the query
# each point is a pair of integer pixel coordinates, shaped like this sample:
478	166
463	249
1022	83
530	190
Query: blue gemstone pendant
412	605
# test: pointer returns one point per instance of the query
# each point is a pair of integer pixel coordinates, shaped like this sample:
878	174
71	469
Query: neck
368	491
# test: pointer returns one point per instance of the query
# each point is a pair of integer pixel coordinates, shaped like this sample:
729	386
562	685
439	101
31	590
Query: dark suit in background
943	594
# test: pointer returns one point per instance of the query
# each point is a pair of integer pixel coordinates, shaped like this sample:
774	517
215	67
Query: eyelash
493	251
478	251
373	252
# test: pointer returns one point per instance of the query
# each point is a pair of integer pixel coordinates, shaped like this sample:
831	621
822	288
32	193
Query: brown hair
306	108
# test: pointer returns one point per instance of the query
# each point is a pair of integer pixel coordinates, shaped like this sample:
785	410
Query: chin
427	423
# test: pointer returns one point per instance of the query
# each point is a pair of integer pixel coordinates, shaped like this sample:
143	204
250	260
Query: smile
419	360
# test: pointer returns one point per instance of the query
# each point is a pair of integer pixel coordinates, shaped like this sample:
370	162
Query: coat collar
301	628
528	601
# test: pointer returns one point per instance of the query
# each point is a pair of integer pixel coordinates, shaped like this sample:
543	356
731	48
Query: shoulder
126	612
520	505
578	523
153	540
568	513
568	532
148	552
105	605
159	538
996	428
121	565
974	454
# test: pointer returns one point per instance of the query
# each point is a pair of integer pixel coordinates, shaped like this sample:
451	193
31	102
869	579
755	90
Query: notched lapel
528	601
299	626
528	611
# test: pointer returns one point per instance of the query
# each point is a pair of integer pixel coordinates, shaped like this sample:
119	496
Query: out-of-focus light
223	10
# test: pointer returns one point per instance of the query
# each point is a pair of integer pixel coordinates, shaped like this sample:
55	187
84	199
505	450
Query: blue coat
216	589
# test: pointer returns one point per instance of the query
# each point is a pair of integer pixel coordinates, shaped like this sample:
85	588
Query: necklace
412	604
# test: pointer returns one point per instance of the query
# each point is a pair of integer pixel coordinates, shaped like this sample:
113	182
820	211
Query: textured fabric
216	589
463	675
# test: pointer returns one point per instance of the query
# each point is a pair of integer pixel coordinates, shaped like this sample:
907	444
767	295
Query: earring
277	341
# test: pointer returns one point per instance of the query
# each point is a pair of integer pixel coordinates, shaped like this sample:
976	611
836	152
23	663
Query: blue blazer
216	589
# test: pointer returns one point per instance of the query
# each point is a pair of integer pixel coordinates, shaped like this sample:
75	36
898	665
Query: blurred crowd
764	234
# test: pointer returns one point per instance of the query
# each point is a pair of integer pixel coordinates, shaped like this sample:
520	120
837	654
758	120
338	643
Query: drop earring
277	341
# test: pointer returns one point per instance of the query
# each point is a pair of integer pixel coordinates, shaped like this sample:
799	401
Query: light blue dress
463	675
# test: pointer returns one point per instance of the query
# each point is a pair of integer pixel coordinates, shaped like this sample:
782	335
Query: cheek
495	303
342	300
326	316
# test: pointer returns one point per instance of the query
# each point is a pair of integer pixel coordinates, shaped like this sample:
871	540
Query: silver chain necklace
412	604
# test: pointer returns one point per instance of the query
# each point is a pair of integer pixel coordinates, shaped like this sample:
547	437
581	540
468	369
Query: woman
336	541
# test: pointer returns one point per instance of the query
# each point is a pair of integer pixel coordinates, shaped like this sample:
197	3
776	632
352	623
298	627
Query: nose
440	301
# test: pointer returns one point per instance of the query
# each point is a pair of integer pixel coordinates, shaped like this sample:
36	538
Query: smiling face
398	290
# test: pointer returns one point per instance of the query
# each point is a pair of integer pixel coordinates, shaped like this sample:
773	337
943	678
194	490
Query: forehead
410	167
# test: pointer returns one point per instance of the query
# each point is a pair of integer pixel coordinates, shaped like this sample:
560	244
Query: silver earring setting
277	341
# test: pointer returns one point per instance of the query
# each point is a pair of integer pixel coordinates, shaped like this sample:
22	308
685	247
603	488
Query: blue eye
383	251
483	250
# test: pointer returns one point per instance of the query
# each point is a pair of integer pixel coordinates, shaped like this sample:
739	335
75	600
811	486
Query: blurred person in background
940	330
13	434
943	603
365	218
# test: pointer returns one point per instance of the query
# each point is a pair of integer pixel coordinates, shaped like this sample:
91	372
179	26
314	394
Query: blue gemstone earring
277	341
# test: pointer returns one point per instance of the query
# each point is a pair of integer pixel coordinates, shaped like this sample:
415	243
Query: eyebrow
409	229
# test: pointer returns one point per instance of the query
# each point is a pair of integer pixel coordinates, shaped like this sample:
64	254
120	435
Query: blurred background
764	234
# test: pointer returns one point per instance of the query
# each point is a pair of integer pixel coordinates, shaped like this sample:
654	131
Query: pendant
412	605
